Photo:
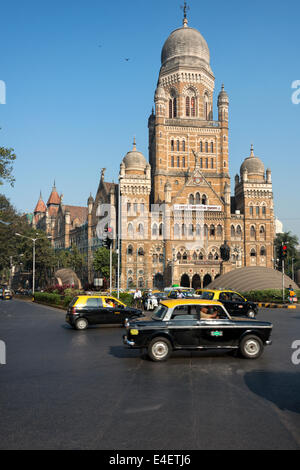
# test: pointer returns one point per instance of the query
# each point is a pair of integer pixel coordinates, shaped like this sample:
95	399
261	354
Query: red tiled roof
54	197
77	212
41	206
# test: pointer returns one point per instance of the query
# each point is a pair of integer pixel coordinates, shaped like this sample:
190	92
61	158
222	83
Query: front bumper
127	342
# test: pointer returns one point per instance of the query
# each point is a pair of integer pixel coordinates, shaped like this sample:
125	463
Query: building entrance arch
196	281
207	280
185	281
158	281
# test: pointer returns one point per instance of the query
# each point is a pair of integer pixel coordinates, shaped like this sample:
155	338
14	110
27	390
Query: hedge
53	299
268	295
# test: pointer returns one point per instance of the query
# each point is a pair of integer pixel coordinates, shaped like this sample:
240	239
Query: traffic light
284	251
108	237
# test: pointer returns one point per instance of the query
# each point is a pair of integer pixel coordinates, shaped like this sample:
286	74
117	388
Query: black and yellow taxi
234	302
85	310
196	324
6	294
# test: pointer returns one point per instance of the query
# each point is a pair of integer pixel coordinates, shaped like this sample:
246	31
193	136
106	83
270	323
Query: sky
74	103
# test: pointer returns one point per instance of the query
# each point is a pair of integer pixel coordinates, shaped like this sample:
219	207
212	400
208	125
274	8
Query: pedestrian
292	295
137	298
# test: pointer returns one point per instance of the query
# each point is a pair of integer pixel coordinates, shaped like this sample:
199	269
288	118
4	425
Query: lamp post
119	236
33	256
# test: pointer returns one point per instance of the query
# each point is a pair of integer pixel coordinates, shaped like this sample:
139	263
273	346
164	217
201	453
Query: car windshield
159	312
207	295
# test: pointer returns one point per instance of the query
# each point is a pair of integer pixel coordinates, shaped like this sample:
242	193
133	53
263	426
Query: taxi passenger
204	313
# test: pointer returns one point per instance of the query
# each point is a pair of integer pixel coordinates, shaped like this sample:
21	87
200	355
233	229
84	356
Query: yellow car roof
174	302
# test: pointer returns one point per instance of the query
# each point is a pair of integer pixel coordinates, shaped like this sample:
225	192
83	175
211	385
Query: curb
270	305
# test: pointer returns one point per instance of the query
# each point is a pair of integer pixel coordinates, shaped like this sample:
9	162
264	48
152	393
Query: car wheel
159	349
251	347
251	314
81	324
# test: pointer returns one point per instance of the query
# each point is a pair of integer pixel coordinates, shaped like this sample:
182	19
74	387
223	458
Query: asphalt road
64	389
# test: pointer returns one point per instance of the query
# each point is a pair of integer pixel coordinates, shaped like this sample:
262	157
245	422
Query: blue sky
74	103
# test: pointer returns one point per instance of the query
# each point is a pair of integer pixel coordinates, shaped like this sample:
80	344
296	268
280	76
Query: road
67	389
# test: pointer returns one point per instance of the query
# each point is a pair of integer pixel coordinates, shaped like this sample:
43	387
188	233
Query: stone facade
176	210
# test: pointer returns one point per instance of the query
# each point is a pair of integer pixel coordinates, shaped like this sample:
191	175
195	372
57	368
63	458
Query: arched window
161	229
201	256
253	253
262	232
191	199
204	200
185	256
161	258
183	230
178	145
239	232
252	232
183	145
197	198
179	256
130	230
251	210
140	230
198	230
257	210
191	230
210	257
211	163
141	283
212	147
173	105
263	251
154	230
187	106
206	147
201	146
183	162
178	162
195	256
264	210
141	251
206	163
219	231
205	230
172	145
129	250
172	161
155	258
193	106
212	231
206	109
232	232
170	108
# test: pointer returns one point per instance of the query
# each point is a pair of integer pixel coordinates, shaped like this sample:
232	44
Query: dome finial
251	151
134	144
185	7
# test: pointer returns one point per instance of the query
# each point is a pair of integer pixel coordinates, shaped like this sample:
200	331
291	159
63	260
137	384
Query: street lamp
33	256
119	236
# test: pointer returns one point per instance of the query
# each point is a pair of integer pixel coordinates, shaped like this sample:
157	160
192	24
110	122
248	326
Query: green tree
7	157
101	261
292	243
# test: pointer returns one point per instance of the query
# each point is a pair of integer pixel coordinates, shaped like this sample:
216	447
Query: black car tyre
251	314
81	324
251	347
159	349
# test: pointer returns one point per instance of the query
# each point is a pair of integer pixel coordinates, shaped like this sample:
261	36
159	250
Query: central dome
185	47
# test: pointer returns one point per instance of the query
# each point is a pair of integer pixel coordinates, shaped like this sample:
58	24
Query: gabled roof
54	198
41	206
77	212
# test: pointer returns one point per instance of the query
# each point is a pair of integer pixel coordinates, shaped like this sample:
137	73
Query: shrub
48	298
124	297
267	295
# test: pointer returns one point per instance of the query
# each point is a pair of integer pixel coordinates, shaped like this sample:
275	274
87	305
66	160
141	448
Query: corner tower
183	123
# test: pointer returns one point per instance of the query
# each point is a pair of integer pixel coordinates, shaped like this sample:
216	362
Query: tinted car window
207	295
93	302
237	298
225	296
185	312
160	312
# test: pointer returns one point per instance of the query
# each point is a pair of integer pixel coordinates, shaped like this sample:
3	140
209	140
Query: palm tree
292	243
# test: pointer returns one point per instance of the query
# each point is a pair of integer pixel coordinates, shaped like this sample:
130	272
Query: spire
134	144
185	7
251	151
